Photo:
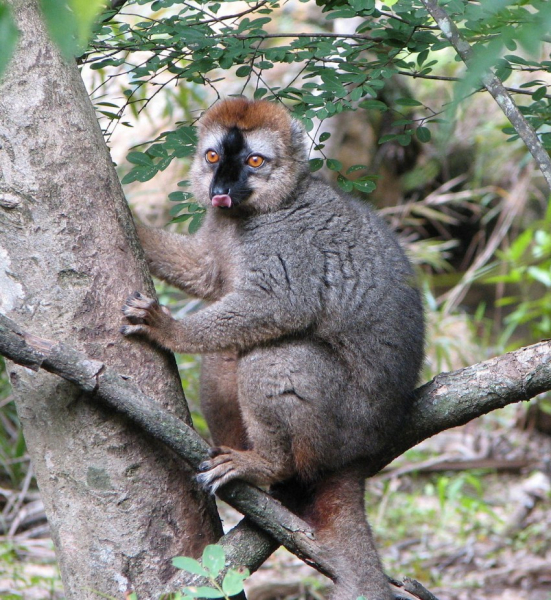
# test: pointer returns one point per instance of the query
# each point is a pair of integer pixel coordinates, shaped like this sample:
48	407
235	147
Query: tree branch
450	399
496	88
119	392
419	75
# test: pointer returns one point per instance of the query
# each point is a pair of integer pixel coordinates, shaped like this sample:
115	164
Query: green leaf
364	186
541	275
179	196
539	93
355	168
70	23
203	592
373	105
214	559
139	158
407	102
140	173
361	5
387	138
546	140
356	94
243	71
85	12
8	36
62	26
345	183
190	565
315	164
520	245
423	134
324	136
333	164
196	222
182	218
422	57
404	139
233	581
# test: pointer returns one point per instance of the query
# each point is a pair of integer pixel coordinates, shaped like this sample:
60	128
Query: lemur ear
297	129
298	137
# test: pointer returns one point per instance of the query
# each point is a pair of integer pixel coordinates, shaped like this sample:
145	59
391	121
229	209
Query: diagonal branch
450	399
496	88
119	392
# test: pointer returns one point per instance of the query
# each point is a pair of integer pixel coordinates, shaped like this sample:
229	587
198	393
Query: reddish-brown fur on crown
248	115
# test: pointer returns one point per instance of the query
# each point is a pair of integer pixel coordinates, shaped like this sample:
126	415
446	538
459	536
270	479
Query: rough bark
119	505
450	399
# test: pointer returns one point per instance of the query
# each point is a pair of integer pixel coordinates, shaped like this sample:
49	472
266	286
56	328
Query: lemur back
313	338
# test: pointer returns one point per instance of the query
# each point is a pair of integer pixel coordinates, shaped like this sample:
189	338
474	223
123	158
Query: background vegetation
396	119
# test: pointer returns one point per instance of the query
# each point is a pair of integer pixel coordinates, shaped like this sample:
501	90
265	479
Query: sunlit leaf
190	565
214	559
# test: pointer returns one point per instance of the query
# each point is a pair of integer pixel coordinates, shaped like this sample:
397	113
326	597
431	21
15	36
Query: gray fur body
328	276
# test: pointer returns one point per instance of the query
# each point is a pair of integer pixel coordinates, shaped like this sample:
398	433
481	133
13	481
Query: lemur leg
291	427
219	401
337	513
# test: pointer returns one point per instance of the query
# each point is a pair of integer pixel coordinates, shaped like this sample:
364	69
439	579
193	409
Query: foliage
211	567
13	453
26	582
525	267
8	36
433	516
164	43
69	23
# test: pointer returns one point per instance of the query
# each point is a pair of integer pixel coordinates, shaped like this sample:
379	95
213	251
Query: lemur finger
133	329
138	300
208	465
134	313
214	478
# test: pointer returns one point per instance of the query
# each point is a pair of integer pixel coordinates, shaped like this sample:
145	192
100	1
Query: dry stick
450	399
495	87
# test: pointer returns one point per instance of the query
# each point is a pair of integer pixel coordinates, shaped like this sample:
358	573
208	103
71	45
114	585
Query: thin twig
496	88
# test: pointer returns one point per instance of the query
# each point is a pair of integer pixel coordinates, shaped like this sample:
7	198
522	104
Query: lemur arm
181	260
236	322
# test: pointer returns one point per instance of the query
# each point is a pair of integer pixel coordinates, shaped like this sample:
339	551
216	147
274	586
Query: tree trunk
119	505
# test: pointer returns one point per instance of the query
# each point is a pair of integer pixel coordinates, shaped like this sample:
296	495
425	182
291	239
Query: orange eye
255	160
212	157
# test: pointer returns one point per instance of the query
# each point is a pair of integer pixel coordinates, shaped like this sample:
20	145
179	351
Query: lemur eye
212	157
255	160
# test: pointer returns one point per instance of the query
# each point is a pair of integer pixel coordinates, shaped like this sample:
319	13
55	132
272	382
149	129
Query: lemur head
250	156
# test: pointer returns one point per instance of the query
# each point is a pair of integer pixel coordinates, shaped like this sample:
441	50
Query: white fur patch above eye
211	139
262	142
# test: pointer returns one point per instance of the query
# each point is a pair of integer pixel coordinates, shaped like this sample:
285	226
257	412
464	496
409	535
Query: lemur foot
226	464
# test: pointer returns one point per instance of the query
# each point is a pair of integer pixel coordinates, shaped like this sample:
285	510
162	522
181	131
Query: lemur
312	336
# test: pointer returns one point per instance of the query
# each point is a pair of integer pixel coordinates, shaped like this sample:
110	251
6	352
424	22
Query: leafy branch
496	88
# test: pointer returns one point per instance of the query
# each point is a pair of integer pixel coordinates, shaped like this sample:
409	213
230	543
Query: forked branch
450	399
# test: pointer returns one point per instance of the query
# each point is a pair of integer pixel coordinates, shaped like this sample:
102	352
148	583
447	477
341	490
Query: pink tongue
221	200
